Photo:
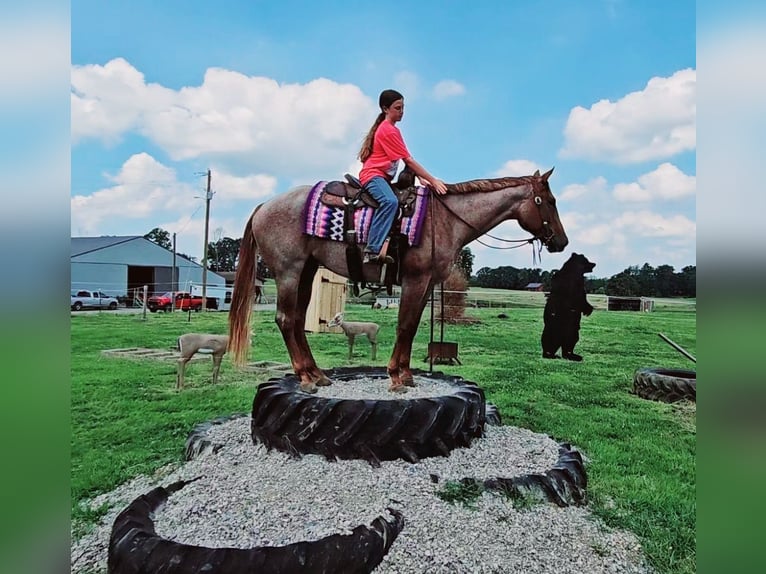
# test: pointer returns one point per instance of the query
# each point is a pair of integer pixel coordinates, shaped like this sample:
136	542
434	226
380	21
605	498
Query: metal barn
118	265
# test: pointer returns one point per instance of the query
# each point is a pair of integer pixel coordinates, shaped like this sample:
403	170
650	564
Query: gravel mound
376	388
247	496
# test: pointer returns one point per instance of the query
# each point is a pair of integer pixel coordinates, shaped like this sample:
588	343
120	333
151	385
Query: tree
623	284
646	280
465	262
687	280
666	282
160	237
222	254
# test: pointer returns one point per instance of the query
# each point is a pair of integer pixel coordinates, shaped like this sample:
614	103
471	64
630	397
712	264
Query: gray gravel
248	496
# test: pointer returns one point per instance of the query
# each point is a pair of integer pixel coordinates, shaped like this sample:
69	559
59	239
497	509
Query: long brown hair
386	98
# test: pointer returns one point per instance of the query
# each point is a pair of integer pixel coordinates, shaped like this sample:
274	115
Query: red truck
184	302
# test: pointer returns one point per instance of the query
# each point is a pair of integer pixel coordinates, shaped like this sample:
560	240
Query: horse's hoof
309	388
399	389
323	382
408	382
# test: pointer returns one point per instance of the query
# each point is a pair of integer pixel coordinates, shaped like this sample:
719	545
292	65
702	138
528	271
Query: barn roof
533	285
82	245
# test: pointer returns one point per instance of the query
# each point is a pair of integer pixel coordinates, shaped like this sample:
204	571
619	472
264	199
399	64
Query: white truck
83	299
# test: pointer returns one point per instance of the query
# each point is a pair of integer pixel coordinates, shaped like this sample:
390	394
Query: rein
536	254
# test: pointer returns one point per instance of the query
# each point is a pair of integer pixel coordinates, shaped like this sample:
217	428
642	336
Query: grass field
128	419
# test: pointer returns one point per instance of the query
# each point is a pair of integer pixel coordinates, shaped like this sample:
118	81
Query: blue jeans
384	215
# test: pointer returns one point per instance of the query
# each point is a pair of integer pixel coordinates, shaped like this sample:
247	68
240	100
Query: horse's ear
537	173
547	174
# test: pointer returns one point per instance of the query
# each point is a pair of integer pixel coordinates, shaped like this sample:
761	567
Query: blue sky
269	95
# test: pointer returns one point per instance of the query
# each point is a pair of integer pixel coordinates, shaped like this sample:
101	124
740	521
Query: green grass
127	418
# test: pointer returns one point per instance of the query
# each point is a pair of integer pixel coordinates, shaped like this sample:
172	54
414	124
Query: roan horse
466	212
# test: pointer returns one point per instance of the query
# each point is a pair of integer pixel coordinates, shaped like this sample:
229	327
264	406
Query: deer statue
191	343
352	329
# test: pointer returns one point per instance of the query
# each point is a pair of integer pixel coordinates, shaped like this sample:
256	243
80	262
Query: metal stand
441	352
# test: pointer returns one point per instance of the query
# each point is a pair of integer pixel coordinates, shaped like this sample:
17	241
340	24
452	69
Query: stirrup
377	259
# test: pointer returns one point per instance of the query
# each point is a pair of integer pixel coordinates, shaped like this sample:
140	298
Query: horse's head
335	321
540	217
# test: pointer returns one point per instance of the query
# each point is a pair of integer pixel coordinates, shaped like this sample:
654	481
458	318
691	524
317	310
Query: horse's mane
487	184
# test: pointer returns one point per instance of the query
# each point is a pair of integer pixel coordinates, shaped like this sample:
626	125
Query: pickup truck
83	299
184	302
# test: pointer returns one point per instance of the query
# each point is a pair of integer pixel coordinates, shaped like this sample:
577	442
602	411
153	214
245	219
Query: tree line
634	281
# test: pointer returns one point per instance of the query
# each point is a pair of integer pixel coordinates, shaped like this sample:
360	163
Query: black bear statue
566	303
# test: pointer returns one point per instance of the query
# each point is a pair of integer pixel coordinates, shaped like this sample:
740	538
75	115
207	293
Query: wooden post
146	291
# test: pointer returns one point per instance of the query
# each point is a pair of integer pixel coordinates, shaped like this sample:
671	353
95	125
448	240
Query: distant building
230	275
117	265
534	287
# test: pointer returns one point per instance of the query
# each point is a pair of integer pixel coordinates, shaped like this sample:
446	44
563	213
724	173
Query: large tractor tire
666	385
289	420
135	547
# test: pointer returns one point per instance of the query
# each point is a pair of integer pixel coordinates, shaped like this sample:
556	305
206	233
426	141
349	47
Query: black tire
492	415
666	385
167	308
290	420
564	485
77	306
112	306
152	309
135	547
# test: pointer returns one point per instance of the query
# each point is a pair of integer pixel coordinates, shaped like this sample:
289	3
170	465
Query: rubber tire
112	306
666	385
77	306
292	421
136	548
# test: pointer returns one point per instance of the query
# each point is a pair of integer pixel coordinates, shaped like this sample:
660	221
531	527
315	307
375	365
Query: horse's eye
538	200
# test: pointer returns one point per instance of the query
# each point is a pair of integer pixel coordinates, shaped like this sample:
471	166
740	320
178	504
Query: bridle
542	240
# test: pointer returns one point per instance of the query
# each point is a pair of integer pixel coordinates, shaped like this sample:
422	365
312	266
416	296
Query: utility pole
208	197
173	280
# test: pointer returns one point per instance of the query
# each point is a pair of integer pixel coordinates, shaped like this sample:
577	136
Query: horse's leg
305	285
412	302
351	346
286	318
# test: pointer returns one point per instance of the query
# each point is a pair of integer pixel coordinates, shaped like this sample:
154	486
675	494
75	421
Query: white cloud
630	226
447	89
648	224
655	123
251	187
579	190
243	120
516	168
596	235
667	182
144	189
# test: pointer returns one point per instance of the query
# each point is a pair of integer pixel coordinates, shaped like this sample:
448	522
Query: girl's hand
438	186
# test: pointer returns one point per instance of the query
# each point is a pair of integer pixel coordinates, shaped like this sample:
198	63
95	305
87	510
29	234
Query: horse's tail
242	295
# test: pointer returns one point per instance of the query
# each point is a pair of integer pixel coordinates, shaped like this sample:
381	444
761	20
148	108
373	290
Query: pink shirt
387	149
